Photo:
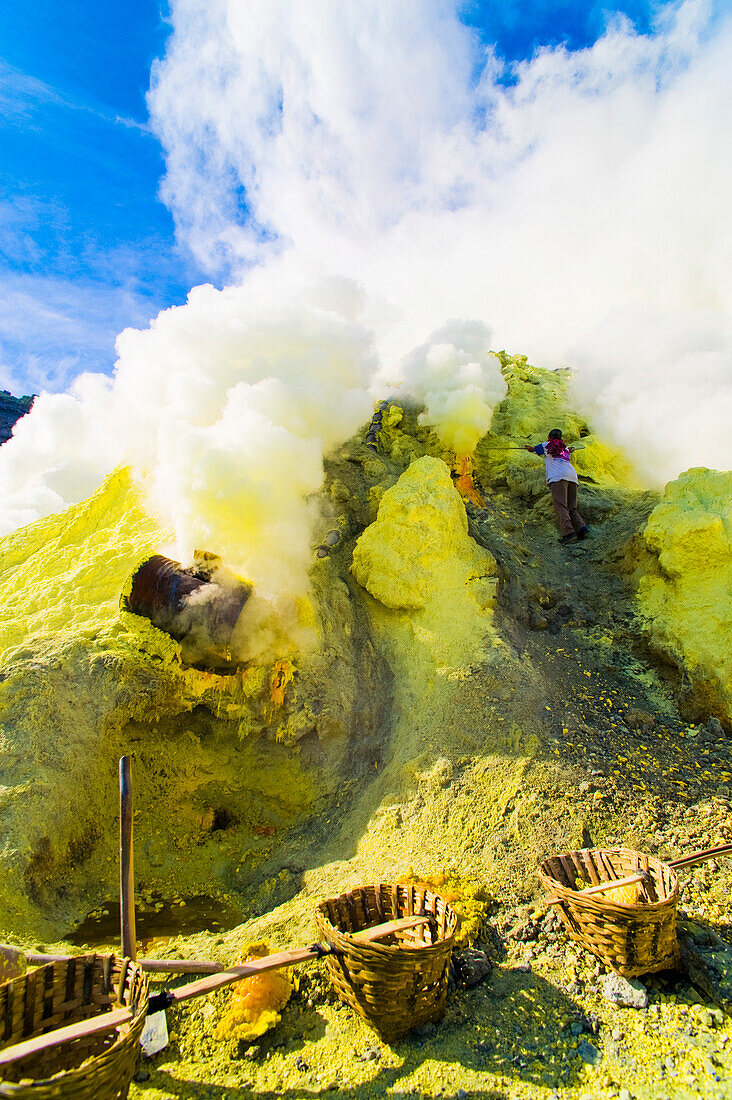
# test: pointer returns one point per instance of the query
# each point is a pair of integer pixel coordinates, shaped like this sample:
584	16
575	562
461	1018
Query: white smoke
660	385
382	141
577	203
459	382
224	407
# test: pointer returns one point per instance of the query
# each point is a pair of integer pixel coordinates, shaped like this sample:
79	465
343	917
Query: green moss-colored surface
537	401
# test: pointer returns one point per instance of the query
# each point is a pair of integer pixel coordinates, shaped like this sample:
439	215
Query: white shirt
557	469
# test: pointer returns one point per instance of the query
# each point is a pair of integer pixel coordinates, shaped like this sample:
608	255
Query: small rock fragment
471	967
623	991
588	1053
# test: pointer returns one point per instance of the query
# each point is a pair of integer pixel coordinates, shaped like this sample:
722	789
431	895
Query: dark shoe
567	538
583	532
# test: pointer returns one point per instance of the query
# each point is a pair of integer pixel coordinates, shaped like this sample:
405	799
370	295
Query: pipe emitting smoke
198	606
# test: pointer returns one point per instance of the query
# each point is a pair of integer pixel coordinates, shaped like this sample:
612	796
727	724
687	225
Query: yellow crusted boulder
419	544
687	601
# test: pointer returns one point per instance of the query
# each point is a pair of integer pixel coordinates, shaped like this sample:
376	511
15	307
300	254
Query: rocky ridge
11	410
539	717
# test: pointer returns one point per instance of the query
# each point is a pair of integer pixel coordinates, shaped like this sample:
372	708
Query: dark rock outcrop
11	409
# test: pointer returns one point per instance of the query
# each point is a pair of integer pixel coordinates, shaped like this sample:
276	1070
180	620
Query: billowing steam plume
224	408
578	203
459	381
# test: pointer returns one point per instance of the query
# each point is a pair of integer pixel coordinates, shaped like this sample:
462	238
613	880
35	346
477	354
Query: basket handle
639	876
108	1021
700	857
275	962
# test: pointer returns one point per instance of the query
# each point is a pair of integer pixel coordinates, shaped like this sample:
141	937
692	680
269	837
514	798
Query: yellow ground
481	698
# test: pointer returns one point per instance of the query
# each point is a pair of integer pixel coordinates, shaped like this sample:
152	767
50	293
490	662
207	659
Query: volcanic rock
11	410
686	598
623	991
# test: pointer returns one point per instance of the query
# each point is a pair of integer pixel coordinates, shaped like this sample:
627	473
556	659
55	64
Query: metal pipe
202	602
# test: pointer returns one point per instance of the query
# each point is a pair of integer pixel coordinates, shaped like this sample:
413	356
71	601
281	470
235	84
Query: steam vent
446	698
198	606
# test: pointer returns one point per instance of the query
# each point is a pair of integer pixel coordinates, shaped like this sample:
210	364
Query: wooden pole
639	876
149	966
208	966
108	1021
700	857
126	868
276	962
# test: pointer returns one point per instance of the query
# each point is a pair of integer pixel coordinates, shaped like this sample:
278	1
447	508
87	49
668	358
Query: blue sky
86	246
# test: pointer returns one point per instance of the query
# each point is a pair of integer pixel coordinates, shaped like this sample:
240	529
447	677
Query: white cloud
224	408
361	142
581	212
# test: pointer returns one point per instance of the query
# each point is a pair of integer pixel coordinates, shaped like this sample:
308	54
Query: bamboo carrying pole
149	966
110	1020
107	1022
126	869
217	975
208	966
643	876
700	857
601	887
276	962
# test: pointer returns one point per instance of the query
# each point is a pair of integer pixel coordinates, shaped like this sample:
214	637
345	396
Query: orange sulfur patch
255	1001
281	677
464	483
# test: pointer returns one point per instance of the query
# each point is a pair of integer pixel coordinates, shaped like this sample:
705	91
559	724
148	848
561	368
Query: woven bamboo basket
58	994
630	938
396	984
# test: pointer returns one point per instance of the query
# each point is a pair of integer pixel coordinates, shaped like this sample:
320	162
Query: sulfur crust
84	682
62	577
687	599
419	546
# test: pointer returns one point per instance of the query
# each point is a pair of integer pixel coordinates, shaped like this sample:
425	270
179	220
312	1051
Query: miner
561	478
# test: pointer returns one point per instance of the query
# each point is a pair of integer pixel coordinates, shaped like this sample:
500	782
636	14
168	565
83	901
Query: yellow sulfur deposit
255	1001
419	543
470	900
216	757
686	598
632	894
62	577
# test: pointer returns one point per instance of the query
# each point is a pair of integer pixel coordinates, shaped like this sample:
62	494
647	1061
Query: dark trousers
564	498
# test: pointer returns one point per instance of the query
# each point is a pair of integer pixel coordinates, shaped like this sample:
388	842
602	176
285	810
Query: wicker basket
394	985
631	939
97	1067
